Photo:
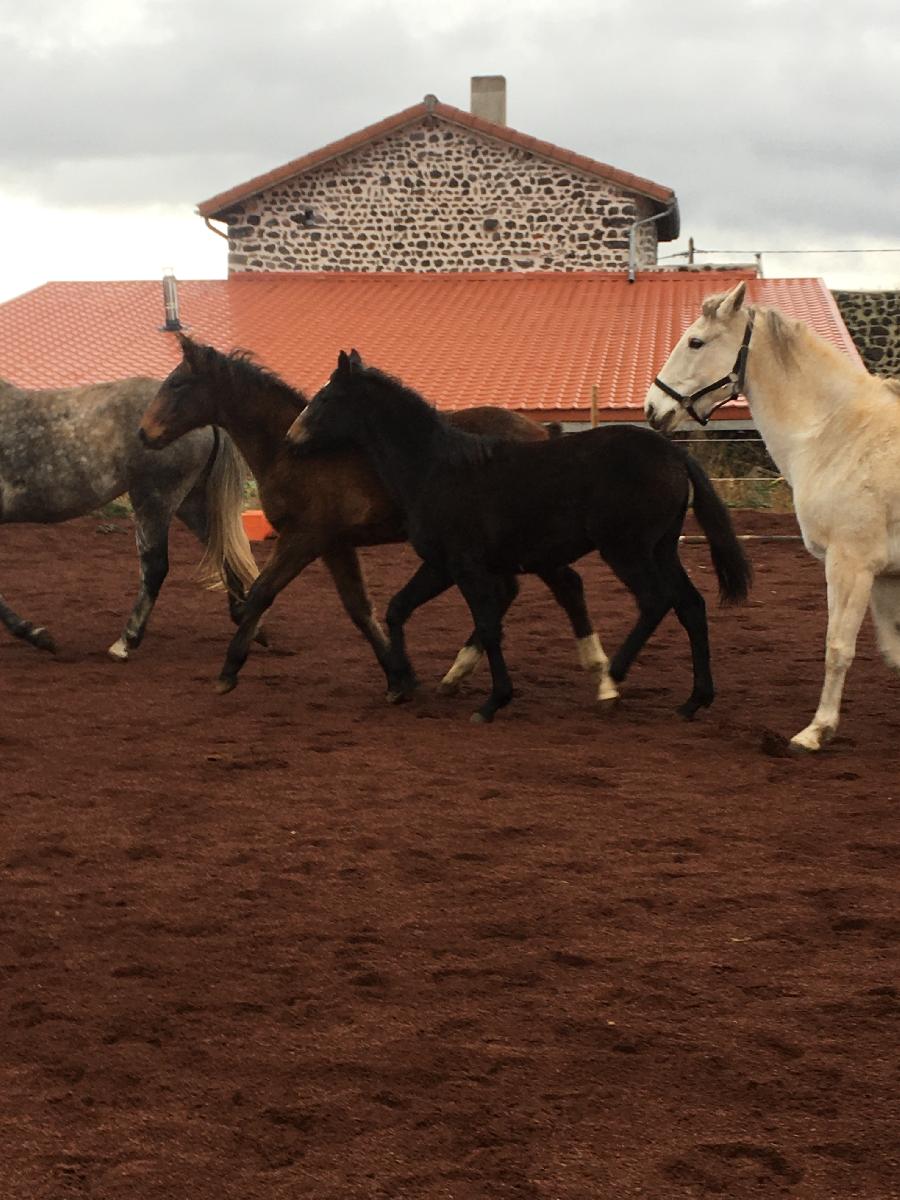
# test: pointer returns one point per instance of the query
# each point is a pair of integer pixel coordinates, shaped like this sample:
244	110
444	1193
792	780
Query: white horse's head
706	368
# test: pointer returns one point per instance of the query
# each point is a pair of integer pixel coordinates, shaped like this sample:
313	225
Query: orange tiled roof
533	342
664	196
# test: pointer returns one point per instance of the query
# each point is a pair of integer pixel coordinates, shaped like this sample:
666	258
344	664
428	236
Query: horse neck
404	449
794	402
257	417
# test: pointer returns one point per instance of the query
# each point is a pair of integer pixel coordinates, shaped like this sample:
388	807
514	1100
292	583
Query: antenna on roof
170	300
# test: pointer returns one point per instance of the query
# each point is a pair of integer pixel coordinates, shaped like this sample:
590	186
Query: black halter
735	378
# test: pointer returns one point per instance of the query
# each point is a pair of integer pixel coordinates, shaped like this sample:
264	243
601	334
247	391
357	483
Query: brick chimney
489	98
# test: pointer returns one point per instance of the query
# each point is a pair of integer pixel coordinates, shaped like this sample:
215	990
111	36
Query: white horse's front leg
849	587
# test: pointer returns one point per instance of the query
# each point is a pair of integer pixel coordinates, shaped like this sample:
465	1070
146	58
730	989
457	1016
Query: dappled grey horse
65	453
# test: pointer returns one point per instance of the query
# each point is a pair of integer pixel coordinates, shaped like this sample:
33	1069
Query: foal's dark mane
243	373
397	402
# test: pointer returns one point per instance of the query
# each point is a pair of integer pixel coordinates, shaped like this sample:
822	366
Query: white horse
834	431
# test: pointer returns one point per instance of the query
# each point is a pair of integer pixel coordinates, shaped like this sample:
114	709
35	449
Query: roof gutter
632	237
208	225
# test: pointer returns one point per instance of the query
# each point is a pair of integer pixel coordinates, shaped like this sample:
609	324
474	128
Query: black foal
480	512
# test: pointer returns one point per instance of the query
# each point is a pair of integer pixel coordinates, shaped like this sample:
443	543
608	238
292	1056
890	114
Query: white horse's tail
227	543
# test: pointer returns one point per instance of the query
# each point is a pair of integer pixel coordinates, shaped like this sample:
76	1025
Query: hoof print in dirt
776	745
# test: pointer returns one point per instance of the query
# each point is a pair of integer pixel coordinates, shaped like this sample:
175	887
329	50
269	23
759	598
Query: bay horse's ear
343	367
188	348
355	360
732	302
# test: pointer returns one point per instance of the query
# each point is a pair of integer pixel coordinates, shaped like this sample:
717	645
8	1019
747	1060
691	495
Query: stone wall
436	197
873	320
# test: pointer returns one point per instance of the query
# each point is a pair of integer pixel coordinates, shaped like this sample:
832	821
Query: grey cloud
784	114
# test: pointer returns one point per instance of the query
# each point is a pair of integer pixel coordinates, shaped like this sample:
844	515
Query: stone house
436	189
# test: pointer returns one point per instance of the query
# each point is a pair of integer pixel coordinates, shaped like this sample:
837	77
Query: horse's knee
838	655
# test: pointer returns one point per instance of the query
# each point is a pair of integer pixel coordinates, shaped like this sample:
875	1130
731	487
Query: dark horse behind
324	508
481	511
65	453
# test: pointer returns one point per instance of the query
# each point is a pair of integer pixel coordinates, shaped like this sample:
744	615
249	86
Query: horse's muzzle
152	441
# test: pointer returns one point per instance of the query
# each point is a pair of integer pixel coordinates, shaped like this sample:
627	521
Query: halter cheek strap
736	378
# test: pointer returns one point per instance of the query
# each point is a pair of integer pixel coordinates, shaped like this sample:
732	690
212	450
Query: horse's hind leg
849	590
690	608
643	579
885	606
567	589
37	635
151	525
346	570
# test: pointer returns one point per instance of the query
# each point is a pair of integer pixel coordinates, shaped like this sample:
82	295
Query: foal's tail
731	563
227	543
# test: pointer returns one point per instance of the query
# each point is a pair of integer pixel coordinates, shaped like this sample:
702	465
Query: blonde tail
227	542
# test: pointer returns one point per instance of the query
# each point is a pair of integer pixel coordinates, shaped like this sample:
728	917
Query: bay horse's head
333	416
707	367
186	399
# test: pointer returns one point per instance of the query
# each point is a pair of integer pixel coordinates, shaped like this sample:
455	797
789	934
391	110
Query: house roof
663	197
531	342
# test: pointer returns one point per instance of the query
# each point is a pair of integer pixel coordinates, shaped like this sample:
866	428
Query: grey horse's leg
152	517
20	628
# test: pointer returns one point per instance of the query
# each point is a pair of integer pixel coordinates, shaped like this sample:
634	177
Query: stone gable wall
873	321
436	197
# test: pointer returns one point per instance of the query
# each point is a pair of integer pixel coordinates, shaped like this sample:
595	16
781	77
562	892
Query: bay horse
67	452
328	508
480	511
834	432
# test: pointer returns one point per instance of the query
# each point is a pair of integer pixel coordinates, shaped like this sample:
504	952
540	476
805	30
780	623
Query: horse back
542	503
64	452
498	422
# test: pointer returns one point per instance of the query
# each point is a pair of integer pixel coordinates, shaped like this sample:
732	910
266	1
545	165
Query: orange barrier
256	527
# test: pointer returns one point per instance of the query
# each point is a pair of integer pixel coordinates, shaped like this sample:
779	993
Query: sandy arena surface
292	942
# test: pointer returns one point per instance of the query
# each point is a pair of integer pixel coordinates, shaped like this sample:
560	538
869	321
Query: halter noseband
735	377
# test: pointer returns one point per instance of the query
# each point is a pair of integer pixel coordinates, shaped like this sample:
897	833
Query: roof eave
218	206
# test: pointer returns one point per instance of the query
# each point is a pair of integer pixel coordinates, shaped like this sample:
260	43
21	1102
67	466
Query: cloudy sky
776	122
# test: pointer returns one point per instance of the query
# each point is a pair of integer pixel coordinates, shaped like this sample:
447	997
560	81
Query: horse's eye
695	343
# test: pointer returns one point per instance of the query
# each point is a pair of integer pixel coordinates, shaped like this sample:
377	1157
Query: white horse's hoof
118	651
809	741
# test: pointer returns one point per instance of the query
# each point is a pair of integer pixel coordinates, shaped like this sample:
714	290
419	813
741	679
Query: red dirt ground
292	942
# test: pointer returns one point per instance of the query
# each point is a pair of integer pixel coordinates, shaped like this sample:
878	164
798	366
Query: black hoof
401	690
226	684
691	707
261	638
607	707
448	689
